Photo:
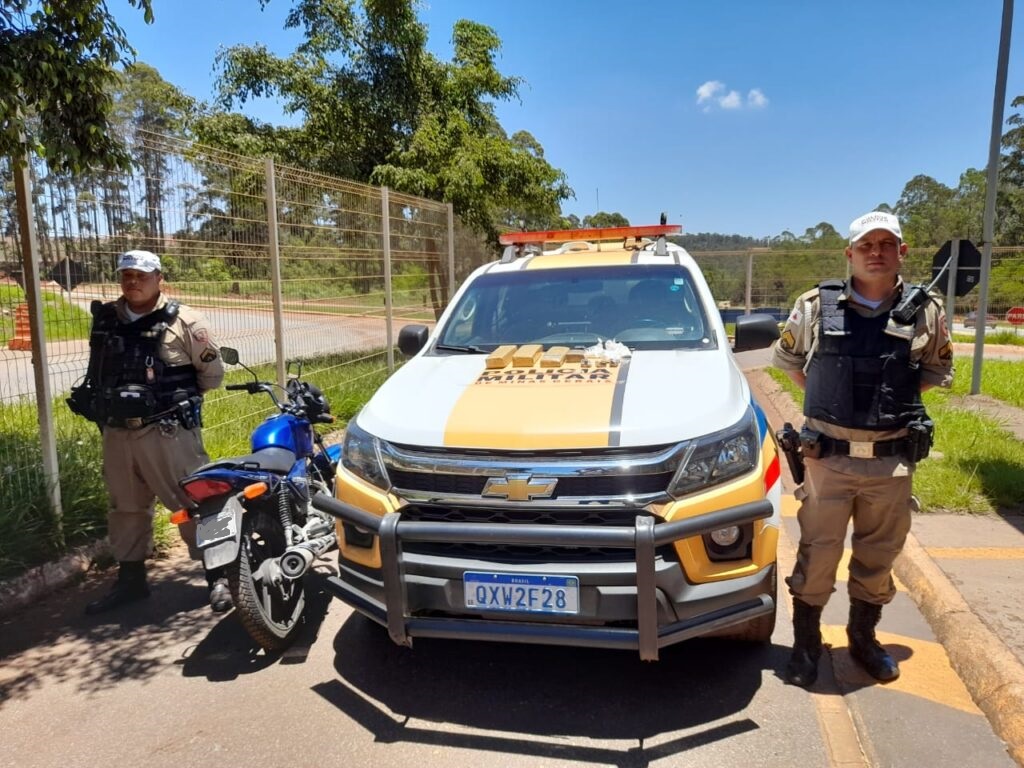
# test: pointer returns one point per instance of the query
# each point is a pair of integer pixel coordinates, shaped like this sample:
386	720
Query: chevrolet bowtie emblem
520	486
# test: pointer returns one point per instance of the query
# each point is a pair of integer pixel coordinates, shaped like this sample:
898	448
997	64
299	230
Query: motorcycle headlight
717	457
360	455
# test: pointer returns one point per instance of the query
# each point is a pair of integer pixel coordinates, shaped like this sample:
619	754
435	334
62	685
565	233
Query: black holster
189	412
789	441
920	437
82	402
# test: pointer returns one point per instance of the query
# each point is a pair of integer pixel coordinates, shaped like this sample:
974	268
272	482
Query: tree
145	103
378	107
602	219
924	210
57	75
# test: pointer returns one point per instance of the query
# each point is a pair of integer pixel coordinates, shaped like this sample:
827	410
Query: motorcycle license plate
218	527
521	592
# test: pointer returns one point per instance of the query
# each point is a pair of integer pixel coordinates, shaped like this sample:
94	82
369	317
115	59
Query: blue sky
735	117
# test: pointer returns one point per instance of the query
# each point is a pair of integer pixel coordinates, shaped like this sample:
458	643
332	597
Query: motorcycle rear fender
222	553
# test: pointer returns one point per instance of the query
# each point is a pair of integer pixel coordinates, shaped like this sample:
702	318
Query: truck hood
472	401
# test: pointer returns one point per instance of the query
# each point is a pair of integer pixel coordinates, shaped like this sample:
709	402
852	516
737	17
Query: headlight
360	455
718	457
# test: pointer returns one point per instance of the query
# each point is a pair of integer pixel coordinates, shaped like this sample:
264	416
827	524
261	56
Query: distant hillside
713	241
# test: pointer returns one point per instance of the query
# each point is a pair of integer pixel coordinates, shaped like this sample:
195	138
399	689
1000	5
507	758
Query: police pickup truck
571	456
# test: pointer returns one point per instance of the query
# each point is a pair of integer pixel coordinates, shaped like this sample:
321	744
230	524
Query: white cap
874	220
143	261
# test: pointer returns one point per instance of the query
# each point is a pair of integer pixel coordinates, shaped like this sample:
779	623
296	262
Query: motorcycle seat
279	460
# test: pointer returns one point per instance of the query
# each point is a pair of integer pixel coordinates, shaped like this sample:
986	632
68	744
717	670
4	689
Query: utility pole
992	178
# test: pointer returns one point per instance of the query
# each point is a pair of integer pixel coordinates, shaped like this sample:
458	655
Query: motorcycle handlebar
296	404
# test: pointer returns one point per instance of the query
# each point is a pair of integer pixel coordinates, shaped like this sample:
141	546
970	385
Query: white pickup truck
571	456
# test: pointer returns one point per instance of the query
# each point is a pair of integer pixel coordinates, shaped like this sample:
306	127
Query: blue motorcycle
253	514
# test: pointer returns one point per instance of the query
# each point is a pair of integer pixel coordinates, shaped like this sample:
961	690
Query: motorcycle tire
270	614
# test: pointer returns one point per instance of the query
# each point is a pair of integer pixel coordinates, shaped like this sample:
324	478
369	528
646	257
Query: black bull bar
643	537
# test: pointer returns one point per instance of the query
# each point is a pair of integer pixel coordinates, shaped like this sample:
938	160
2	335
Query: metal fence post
748	293
275	271
954	261
451	251
385	229
40	366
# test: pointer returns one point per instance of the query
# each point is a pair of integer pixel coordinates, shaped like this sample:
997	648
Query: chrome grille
630	477
498	553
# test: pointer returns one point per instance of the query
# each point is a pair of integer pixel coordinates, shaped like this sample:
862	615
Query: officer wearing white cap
151	360
863	359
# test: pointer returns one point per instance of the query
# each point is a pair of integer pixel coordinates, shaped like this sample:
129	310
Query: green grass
1001	336
29	535
61	320
976	466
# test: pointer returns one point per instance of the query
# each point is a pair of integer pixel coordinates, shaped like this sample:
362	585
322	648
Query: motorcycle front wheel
269	612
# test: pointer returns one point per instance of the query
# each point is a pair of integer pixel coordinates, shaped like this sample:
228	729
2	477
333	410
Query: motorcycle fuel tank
284	431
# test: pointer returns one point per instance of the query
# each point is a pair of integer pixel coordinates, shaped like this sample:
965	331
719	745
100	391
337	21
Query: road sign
1015	315
968	273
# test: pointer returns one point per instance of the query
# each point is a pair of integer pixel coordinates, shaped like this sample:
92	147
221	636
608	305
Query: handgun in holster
920	437
789	441
189	412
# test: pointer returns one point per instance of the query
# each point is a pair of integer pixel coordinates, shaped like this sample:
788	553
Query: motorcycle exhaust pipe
299	558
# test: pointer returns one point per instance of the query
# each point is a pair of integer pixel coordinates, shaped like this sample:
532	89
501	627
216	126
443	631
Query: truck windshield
642	306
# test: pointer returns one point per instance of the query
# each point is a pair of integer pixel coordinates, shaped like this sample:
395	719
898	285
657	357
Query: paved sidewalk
966	574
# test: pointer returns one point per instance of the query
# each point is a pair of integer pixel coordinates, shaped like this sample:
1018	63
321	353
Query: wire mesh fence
284	263
772	279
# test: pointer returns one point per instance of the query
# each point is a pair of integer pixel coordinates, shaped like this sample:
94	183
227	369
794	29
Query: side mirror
229	355
755	332
412	338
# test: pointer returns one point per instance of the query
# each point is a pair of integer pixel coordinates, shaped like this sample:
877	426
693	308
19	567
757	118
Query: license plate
214	528
521	592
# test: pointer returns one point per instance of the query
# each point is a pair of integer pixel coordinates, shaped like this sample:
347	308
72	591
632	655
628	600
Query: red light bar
600	233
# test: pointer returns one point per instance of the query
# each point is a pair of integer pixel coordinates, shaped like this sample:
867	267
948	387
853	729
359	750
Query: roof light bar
591	235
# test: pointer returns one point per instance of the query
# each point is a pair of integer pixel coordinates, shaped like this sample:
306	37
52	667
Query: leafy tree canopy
57	75
378	107
603	219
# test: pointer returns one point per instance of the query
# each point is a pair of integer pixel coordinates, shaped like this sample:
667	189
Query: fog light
356	536
726	537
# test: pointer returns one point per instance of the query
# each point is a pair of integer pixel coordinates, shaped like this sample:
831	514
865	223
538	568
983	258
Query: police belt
138	422
862	450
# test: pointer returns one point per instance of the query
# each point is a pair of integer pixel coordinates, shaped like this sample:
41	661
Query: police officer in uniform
863	350
150	362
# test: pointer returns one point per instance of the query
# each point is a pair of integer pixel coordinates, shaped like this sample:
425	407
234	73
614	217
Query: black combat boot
864	648
220	594
130	586
802	668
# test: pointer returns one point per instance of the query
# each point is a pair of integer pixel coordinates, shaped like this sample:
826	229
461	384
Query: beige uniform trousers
881	511
140	466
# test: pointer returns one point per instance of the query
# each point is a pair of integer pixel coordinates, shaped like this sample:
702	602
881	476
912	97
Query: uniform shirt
187	342
930	347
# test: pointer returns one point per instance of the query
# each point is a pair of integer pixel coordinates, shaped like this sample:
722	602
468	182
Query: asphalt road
166	683
249	331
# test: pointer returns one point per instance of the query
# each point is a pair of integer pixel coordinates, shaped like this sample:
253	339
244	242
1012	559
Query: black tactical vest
130	383
860	376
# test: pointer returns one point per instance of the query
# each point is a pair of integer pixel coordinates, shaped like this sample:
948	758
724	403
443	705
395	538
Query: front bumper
414	595
647	591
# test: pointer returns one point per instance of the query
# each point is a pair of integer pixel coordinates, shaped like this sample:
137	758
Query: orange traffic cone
22	338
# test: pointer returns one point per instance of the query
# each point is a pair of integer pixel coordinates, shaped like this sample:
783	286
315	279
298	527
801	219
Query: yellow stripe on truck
539	406
582	259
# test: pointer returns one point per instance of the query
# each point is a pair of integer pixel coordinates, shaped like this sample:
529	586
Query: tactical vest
860	376
131	385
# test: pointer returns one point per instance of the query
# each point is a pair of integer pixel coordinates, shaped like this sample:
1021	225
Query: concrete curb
40	581
990	671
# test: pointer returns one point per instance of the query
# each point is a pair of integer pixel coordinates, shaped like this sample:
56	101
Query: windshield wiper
468	349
